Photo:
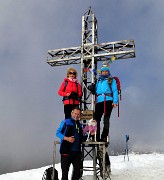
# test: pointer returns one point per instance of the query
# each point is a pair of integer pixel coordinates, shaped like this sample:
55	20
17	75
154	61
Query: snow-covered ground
139	167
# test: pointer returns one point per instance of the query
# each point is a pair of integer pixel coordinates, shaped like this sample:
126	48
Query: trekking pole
118	109
119	99
126	148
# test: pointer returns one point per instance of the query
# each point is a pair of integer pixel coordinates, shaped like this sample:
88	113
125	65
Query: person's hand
69	139
68	94
114	105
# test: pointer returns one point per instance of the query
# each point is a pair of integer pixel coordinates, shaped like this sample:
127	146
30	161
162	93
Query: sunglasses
72	73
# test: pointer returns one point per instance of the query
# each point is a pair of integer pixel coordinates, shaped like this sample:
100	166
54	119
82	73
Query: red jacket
70	87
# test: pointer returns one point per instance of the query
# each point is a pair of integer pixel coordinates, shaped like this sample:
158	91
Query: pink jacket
90	128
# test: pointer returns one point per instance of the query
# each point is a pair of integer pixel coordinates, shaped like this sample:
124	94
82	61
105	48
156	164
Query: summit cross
89	54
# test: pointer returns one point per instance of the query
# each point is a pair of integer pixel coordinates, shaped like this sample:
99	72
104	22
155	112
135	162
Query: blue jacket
103	87
69	127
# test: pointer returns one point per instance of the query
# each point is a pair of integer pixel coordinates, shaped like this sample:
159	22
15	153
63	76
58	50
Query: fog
30	108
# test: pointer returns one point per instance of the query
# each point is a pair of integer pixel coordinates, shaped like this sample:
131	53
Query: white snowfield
139	167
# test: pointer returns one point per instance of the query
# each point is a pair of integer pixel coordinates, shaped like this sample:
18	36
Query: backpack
48	173
118	88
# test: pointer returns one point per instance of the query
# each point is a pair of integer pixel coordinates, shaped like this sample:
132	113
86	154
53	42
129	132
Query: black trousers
73	158
68	109
99	111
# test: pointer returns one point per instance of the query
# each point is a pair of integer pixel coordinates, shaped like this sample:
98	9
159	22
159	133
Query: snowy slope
139	167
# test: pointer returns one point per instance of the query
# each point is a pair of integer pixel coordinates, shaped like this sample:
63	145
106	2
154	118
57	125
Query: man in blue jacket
70	133
106	98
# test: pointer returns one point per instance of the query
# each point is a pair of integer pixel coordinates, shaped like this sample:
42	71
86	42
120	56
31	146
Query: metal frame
94	152
92	149
105	51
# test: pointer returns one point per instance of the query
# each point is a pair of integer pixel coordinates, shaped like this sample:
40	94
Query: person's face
72	74
75	114
104	72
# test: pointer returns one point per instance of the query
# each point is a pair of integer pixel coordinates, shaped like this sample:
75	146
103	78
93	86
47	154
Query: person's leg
67	110
77	165
75	105
97	116
105	131
65	164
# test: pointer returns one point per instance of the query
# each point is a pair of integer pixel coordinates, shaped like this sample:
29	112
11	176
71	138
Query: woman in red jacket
71	91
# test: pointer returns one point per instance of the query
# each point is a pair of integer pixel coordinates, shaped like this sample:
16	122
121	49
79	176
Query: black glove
73	95
92	88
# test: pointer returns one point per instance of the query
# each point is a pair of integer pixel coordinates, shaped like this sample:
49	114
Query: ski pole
126	148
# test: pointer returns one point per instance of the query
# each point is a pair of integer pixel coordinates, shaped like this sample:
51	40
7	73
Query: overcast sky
30	108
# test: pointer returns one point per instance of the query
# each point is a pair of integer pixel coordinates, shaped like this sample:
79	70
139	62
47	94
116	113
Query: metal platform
97	152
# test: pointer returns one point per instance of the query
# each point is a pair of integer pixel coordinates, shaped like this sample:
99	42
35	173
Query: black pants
68	109
73	158
99	111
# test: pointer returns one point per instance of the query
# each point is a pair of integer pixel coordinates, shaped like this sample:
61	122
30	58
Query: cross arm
64	56
119	50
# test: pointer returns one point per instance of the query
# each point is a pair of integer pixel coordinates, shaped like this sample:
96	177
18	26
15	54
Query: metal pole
94	163
104	152
54	156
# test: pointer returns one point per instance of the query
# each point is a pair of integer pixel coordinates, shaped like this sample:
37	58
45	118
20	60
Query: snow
139	167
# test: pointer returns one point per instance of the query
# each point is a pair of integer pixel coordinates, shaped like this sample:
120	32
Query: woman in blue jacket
70	134
106	98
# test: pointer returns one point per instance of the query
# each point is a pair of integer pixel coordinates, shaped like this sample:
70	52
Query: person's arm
69	139
79	90
61	91
61	130
92	88
115	93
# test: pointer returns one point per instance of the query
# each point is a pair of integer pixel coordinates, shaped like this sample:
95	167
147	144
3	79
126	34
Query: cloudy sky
30	108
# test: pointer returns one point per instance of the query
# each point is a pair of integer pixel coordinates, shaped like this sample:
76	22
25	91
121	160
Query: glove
73	95
92	88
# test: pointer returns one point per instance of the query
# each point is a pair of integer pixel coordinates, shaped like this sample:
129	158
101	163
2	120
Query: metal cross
88	55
